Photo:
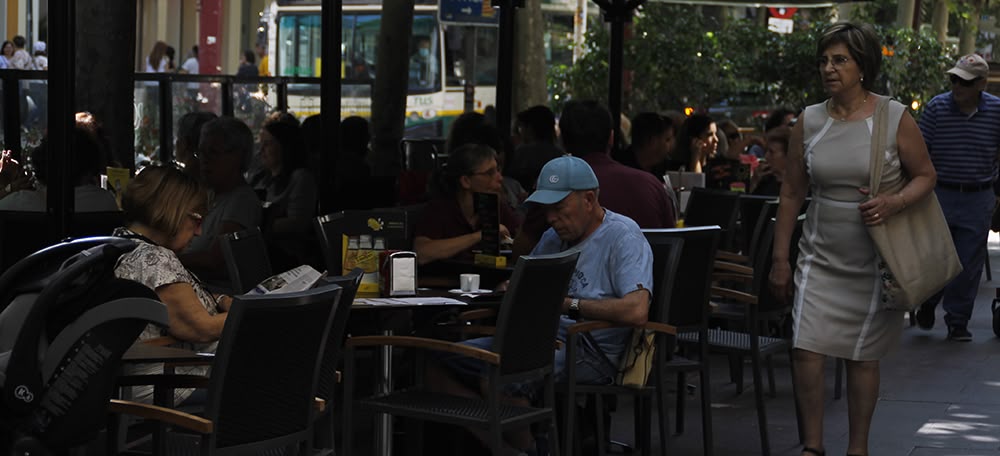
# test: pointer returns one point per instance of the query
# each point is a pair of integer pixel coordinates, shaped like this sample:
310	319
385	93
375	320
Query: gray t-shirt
239	206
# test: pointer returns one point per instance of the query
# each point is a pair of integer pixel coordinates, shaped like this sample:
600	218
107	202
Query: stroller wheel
996	316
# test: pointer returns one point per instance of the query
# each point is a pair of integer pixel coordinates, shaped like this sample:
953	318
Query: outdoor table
425	299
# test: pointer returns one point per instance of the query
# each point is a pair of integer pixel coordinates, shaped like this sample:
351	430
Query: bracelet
901	197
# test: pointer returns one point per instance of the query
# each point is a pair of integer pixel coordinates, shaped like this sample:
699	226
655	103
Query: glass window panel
34	112
147	123
253	102
486	55
3	134
358	38
425	62
191	97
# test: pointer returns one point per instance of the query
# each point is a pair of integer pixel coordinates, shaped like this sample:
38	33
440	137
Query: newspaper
297	279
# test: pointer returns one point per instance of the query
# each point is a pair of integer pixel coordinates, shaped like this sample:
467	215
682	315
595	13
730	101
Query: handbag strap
880	133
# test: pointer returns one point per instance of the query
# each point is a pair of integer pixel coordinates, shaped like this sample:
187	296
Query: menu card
488	209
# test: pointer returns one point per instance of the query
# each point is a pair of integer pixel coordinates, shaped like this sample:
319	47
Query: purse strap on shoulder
880	133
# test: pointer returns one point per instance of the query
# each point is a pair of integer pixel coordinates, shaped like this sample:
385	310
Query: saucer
470	292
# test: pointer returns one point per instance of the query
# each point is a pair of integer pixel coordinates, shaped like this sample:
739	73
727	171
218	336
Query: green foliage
915	68
675	59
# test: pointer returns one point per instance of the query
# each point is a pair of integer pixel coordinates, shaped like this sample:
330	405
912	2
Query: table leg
383	424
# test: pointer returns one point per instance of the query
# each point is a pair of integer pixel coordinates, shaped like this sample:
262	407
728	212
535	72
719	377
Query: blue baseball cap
560	177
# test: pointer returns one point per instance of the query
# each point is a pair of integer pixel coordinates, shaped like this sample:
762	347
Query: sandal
814	451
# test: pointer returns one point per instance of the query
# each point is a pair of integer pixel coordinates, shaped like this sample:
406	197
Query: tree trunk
529	56
389	93
904	14
939	20
105	77
970	28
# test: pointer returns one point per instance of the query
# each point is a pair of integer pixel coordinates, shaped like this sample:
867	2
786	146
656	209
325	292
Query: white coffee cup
469	282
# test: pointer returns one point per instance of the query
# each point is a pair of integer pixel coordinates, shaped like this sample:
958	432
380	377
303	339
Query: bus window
299	39
486	55
425	65
358	38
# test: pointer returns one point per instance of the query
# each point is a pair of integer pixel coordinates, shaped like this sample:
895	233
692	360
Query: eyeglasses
196	217
493	171
837	60
955	79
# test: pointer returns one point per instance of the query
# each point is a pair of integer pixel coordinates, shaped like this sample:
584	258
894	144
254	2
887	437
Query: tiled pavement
938	398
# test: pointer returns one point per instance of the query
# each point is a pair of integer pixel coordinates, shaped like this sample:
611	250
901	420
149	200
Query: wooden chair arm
477	314
590	325
733	267
740	296
660	328
430	344
319	404
731	277
477	330
731	257
163	380
162	414
162	341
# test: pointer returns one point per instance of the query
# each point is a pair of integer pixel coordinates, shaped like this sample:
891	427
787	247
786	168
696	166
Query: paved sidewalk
938	398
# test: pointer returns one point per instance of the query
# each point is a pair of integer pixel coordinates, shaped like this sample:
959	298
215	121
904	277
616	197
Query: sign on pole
468	12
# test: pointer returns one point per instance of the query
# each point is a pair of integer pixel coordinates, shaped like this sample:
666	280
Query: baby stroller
65	322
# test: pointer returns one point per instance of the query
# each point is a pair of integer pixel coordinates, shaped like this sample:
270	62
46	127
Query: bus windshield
299	49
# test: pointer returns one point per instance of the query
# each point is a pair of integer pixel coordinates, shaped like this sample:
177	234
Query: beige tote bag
918	256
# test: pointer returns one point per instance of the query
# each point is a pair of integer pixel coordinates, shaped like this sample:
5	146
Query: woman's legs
862	395
808	378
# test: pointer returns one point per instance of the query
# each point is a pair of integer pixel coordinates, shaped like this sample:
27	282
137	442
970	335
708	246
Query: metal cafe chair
262	390
666	258
246	257
528	319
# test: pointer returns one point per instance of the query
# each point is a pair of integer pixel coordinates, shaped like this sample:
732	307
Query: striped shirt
963	148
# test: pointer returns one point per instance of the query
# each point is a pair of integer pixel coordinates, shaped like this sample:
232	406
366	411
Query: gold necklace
845	117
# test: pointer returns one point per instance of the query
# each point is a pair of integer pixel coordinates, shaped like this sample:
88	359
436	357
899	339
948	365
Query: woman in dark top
291	193
450	226
696	143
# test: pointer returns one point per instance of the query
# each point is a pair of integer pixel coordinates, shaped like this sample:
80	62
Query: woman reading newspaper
163	210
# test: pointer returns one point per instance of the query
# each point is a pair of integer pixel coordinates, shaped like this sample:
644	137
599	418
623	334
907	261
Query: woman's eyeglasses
196	217
955	79
837	60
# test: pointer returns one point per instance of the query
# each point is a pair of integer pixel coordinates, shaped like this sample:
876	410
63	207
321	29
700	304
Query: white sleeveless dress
837	309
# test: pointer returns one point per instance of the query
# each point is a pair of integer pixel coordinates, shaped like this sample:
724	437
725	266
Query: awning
758	3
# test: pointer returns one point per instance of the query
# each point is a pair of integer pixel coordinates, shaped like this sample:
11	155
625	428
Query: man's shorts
591	367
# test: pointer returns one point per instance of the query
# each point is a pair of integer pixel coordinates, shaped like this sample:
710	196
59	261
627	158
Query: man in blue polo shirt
612	282
962	132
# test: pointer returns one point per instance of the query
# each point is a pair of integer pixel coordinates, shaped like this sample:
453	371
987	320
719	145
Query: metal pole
469	45
330	82
62	80
505	62
615	67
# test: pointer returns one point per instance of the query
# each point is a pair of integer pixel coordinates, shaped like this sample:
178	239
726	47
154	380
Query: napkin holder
398	273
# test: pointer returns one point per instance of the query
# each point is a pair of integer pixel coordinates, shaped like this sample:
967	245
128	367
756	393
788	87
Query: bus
435	92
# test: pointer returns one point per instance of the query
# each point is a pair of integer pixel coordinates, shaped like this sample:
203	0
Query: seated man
225	145
612	281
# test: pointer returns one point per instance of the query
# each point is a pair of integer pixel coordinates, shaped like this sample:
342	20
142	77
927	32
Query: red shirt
631	192
442	218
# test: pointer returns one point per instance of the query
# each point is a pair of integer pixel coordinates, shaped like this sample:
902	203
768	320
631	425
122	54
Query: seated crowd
580	198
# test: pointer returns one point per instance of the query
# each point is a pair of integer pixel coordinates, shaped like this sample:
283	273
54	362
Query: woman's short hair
293	150
161	197
862	42
463	161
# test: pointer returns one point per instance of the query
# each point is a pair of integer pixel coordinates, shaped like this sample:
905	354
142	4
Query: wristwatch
574	309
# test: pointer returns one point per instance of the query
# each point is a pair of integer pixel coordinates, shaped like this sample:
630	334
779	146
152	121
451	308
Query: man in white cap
612	282
962	132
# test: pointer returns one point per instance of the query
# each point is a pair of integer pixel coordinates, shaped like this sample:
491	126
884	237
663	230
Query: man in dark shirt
586	133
